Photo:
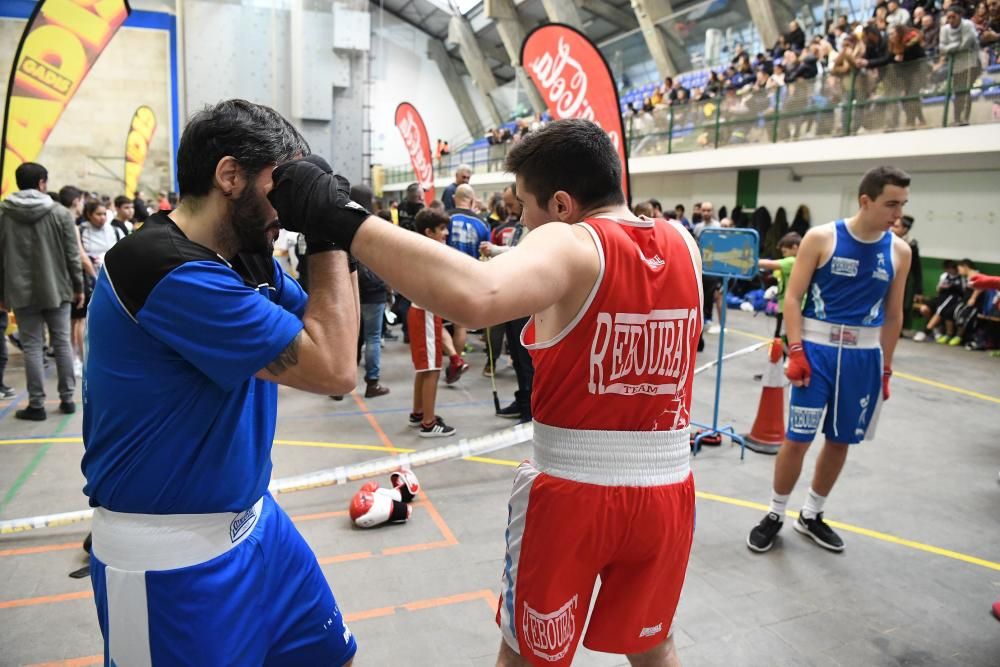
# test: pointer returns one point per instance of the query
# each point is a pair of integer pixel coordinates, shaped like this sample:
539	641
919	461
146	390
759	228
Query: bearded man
192	327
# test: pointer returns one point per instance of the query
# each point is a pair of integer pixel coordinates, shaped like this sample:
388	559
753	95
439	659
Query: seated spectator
940	310
896	15
795	37
985	24
930	30
715	84
776	80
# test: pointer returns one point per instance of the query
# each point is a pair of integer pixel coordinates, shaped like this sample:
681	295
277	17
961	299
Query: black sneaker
32	414
67	407
7	392
436	430
512	411
415	419
820	533
762	536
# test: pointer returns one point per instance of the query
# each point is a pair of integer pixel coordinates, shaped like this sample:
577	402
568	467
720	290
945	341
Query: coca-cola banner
576	82
411	126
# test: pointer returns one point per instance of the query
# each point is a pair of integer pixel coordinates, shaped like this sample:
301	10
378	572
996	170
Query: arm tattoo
289	357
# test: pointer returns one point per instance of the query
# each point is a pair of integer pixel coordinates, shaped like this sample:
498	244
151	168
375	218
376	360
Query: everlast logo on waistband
636	353
241	524
550	636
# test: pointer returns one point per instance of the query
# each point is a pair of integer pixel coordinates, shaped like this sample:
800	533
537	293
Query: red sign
62	40
576	82
411	126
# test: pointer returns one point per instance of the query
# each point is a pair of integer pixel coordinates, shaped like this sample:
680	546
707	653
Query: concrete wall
956	212
87	146
402	72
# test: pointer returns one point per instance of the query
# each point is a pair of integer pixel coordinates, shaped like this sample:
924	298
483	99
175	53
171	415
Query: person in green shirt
788	246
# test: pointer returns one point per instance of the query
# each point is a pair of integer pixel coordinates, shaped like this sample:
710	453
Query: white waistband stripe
149	542
841	335
613	458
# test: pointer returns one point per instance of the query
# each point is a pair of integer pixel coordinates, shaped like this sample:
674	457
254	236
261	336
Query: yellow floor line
946	387
292	443
884	537
899	374
42	441
496	462
340	445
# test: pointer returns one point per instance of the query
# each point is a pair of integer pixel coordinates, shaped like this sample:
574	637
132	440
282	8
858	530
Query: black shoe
436	430
337	397
820	533
7	392
32	414
67	407
512	411
524	419
388	335
374	389
762	536
415	419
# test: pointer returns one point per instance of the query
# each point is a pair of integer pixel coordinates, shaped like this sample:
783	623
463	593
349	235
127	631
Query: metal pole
670	132
718	118
777	115
849	111
722	342
949	89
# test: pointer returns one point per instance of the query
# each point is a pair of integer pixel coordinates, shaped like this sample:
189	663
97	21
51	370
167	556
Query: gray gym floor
913	587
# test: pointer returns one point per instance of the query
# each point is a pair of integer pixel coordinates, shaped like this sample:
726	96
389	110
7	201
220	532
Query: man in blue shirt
462	175
195	323
467	231
850	275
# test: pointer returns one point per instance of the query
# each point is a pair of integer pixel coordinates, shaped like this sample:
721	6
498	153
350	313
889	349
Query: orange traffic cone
768	430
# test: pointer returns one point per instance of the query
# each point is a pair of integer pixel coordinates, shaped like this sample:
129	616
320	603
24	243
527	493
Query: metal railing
900	96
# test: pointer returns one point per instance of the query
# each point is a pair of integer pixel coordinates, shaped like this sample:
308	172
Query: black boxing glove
311	200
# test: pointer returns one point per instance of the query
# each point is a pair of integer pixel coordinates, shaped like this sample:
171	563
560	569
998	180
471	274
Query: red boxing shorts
425	339
562	535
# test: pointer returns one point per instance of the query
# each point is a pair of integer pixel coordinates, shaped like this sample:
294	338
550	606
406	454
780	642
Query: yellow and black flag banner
140	134
60	44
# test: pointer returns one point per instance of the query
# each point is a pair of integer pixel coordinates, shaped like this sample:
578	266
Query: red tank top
626	362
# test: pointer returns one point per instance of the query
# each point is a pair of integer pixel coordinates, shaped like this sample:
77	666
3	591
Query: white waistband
148	542
841	335
613	458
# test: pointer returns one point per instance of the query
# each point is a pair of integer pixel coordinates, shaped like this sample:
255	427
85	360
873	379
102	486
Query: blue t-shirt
174	420
467	231
850	288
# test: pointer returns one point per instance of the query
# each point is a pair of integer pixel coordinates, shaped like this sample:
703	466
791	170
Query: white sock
778	504
814	505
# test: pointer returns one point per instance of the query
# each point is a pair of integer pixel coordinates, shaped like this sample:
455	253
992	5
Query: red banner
411	126
59	45
576	82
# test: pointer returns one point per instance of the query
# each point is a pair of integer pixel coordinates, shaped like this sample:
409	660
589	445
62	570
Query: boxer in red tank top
616	316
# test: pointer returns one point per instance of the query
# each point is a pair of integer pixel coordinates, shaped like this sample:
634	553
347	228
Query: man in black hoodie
40	276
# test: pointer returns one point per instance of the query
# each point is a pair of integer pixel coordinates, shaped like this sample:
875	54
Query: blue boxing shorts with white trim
847	384
261	601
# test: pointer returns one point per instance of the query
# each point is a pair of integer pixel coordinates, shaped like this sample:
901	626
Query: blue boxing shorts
846	384
213	589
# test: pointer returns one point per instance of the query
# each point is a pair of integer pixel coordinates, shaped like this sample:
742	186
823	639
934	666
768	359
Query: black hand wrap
311	200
